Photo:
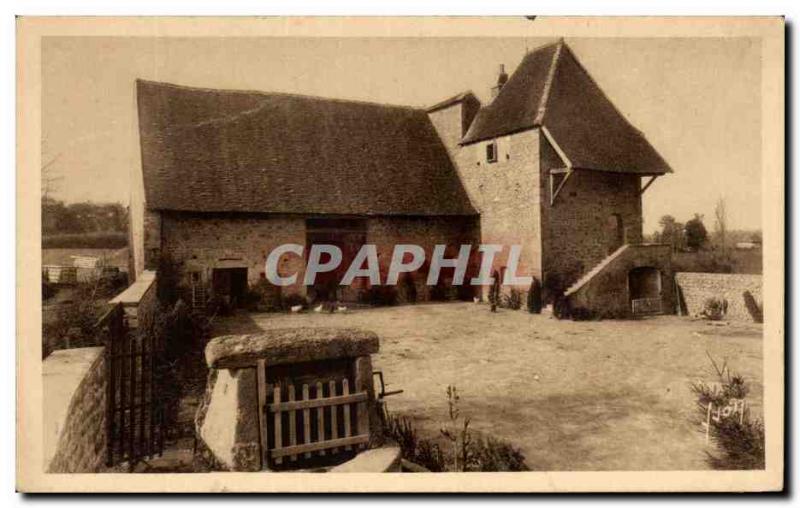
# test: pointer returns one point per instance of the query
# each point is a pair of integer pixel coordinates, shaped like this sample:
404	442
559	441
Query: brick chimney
502	77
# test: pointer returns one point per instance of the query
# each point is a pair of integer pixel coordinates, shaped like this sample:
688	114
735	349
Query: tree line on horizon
693	236
59	217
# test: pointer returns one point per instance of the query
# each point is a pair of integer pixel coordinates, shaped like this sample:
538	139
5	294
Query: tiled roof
463	96
551	88
235	151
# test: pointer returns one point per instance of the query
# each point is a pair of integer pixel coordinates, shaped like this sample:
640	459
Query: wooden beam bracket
554	190
648	184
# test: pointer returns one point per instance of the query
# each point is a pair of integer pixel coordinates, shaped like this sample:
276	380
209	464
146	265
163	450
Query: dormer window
491	151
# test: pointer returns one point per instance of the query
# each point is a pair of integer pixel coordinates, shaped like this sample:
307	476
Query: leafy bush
490	454
561	308
379	296
419	451
740	440
512	300
582	314
180	334
72	323
535	297
263	296
467	451
408	289
465	292
438	293
168	287
715	309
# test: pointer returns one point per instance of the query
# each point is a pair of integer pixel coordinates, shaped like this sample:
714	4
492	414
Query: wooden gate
646	306
310	420
134	370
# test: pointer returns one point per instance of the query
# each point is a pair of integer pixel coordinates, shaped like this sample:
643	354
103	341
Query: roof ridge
551	72
450	100
540	47
283	94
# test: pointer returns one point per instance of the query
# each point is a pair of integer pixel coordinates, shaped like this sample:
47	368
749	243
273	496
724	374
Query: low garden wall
696	288
139	299
75	410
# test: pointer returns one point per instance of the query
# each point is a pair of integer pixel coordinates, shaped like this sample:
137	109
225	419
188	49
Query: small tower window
491	152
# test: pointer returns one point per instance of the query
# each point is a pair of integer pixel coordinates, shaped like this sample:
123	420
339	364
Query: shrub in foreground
739	438
465	450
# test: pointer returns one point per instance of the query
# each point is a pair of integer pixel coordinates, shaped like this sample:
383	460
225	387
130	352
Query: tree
696	234
671	232
720	223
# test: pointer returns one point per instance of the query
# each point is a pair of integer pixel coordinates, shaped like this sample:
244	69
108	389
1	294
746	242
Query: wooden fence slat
319	446
306	421
261	375
278	430
334	416
292	423
346	410
320	418
327	401
362	366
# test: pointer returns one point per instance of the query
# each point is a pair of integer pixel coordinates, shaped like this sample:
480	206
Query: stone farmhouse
550	164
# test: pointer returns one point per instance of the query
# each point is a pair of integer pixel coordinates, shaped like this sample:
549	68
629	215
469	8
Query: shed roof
209	150
551	88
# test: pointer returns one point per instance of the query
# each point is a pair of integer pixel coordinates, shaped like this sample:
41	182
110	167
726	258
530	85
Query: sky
696	100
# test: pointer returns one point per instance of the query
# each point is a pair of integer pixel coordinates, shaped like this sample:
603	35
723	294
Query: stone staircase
599	267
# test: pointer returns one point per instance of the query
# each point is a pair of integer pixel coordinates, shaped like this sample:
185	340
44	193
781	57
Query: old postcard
547	252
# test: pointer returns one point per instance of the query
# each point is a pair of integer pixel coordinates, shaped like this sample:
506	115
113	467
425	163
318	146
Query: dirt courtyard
599	395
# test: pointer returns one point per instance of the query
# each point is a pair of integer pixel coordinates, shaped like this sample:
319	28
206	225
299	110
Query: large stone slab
289	345
227	421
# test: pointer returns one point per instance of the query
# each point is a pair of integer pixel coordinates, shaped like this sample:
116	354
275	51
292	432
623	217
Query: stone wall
506	193
607	294
562	241
201	243
75	410
426	232
695	288
575	229
139	300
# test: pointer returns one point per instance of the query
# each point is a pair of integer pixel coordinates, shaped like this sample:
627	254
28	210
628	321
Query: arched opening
644	288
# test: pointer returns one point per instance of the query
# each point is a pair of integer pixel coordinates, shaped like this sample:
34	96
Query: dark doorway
347	234
230	285
644	286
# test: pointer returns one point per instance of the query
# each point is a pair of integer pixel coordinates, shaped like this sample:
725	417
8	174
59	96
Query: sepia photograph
401	248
